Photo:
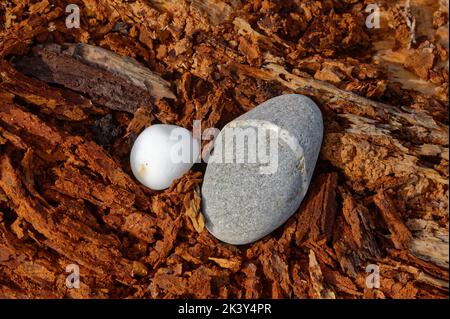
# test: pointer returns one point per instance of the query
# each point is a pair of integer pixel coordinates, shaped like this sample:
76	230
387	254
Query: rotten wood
401	236
317	214
379	194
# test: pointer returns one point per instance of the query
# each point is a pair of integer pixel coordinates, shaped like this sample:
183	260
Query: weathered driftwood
64	104
119	83
125	67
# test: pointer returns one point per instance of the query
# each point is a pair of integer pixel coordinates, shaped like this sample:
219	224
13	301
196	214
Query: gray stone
246	199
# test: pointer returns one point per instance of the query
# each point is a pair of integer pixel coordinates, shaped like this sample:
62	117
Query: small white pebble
163	153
